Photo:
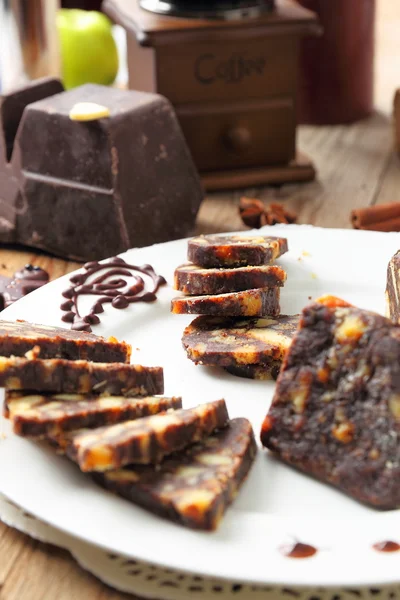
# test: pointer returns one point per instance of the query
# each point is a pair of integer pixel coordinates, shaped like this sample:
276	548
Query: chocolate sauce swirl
111	287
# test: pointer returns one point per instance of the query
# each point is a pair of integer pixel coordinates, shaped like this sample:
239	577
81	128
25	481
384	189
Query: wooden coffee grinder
230	69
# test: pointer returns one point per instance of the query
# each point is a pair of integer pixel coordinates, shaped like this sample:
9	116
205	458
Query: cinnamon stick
385	217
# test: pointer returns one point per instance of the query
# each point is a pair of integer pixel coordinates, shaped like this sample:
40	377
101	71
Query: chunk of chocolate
144	441
88	190
24	281
193	487
19	337
249	303
229	342
235	250
393	289
336	410
49	415
80	377
196	281
12	106
267	372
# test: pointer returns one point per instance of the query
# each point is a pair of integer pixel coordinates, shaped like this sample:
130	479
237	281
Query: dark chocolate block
336	410
12	106
88	190
80	377
193	487
230	342
196	281
49	415
267	372
249	303
19	337
393	289
235	250
144	441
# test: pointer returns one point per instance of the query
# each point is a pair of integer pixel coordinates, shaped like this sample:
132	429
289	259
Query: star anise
255	214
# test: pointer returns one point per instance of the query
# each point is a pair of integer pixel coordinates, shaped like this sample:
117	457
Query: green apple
88	50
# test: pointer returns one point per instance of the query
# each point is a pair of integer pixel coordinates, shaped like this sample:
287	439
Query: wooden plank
44	572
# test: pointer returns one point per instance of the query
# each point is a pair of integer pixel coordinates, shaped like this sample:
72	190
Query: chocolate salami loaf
196	281
80	377
229	342
249	303
336	410
144	441
19	337
195	486
235	250
49	415
393	289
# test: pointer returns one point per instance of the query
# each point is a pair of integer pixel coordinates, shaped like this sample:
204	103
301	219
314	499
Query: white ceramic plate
276	505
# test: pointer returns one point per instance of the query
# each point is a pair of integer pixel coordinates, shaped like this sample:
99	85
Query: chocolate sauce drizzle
111	287
298	550
387	546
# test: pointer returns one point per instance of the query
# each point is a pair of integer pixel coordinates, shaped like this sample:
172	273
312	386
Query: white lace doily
150	581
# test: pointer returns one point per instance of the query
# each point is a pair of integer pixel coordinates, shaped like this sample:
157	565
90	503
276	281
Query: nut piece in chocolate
235	250
193	487
230	342
49	415
248	303
393	289
336	410
197	281
144	441
80	377
19	337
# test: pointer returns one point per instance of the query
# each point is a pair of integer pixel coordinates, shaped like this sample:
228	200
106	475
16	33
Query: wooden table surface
356	167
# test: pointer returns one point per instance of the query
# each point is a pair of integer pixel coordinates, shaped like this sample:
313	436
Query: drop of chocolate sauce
298	550
387	546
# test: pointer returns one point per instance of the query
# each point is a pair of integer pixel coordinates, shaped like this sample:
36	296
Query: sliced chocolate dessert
19	337
393	288
143	441
195	486
229	342
49	415
80	377
235	250
249	303
197	281
267	372
336	410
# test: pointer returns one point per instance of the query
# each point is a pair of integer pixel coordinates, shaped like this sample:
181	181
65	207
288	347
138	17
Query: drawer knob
237	139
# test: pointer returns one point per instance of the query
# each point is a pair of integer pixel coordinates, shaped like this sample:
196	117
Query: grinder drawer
237	135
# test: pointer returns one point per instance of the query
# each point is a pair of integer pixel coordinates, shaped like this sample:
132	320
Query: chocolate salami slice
393	289
267	372
336	410
193	487
19	337
144	441
196	281
48	415
249	303
229	342
235	250
80	377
